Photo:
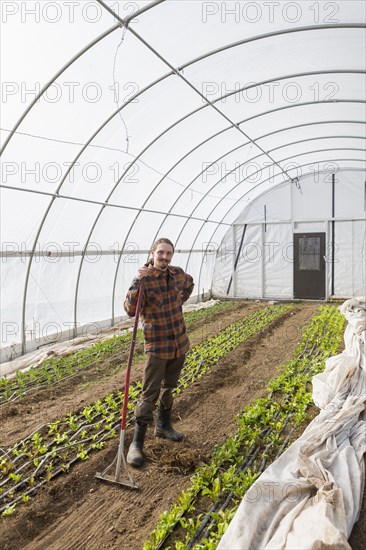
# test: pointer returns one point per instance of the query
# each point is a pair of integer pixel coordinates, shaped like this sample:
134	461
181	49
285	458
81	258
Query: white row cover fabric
311	496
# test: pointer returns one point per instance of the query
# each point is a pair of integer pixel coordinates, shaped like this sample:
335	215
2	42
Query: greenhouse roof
126	121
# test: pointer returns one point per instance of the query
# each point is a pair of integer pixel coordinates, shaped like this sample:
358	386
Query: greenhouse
235	132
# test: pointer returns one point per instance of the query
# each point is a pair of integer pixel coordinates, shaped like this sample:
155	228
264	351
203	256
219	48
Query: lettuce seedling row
53	448
52	371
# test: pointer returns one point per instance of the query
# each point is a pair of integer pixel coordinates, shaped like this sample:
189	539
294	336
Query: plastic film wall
126	121
256	256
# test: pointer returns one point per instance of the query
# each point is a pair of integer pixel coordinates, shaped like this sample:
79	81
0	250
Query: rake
120	457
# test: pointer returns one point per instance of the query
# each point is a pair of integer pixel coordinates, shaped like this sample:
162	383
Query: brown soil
79	512
20	418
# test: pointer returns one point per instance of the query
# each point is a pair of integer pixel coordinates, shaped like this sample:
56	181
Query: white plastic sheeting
311	496
150	128
265	261
8	369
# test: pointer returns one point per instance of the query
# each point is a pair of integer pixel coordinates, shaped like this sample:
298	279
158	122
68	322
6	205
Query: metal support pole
233	277
237	256
263	266
265	217
333	232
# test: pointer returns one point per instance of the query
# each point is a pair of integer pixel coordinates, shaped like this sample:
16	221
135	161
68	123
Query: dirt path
78	512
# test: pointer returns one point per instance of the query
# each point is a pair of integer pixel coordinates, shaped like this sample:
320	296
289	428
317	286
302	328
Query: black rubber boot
164	428
135	456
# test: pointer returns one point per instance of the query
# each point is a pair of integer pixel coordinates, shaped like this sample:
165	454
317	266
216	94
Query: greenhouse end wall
256	257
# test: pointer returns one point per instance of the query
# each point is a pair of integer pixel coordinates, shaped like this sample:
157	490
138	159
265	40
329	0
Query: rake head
113	479
116	465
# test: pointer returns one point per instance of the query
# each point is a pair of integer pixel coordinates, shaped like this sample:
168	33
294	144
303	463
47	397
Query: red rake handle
130	357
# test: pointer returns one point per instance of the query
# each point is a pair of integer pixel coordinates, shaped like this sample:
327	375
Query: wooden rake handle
130	357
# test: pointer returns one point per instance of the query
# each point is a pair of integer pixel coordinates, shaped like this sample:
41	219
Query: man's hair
159	241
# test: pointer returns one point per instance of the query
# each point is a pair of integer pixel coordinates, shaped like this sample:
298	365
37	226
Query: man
164	289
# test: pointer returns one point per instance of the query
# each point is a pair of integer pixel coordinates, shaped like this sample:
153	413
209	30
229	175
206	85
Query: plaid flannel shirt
161	310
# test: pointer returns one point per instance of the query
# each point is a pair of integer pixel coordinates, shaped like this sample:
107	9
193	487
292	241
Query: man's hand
142	272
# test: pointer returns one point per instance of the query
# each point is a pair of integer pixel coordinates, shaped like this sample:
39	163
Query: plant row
204	510
53	370
54	447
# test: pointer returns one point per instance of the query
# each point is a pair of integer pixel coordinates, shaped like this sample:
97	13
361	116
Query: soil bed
78	512
22	417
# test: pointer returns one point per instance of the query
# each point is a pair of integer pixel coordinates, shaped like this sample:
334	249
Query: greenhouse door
309	265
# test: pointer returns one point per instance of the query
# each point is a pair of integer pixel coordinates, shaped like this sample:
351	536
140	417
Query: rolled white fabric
310	497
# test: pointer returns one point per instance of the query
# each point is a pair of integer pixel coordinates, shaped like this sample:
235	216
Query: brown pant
159	374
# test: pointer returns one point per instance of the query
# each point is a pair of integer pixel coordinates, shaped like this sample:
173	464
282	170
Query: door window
309	253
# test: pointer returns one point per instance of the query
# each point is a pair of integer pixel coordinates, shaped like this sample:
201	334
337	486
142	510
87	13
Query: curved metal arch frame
98	203
215	135
192	181
126	22
213	52
330	26
173	71
276	33
185	117
336	71
111	192
250	160
113	189
178	72
72	60
261	183
23	116
352	169
287	144
164	76
224	48
324	26
234	124
45	215
54	78
44	219
222	131
243	145
25	290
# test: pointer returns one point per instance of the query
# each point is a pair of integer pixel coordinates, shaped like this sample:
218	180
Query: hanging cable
180	74
116	88
149	166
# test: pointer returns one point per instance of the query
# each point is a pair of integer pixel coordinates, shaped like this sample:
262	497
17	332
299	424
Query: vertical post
236	255
233	276
265	218
333	232
263	229
327	225
292	235
291	200
352	256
